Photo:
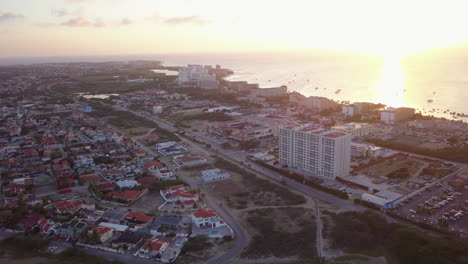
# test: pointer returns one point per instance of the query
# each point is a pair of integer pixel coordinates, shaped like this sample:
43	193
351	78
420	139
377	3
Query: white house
127	183
104	233
214	175
151	248
178	193
164	174
205	218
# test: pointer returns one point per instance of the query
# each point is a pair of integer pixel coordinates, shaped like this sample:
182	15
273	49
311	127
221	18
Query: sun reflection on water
391	87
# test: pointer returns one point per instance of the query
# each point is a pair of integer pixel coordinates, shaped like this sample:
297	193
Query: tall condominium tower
315	150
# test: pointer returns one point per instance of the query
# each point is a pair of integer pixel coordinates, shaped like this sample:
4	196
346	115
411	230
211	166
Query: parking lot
439	205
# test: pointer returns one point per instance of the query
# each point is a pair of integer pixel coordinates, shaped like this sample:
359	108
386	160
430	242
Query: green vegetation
166	184
127	120
24	246
104	87
457	154
249	144
73	255
219	96
196	244
278	100
120	76
370	234
136	107
215	116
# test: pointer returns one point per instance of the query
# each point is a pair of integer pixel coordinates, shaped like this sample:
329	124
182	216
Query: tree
453	140
249	144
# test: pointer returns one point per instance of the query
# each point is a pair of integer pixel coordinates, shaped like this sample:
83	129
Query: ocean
433	83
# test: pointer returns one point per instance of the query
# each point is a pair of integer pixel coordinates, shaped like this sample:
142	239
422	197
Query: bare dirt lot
148	203
389	166
291	229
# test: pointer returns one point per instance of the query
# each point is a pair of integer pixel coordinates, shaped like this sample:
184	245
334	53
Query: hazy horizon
89	27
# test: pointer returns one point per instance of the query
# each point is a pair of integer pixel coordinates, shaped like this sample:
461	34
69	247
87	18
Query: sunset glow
391	88
91	27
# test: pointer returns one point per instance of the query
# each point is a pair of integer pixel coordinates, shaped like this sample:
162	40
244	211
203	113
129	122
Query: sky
107	27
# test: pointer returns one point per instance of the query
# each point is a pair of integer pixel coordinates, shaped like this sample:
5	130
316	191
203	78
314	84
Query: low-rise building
206	219
395	115
214	175
188	161
356	130
164	174
104	233
130	240
269	92
153	247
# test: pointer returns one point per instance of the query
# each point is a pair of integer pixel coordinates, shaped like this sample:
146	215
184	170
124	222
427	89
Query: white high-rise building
196	76
315	150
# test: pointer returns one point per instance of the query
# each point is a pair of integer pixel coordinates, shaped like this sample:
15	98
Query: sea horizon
429	83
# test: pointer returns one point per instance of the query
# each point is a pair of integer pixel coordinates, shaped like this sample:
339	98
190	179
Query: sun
391	88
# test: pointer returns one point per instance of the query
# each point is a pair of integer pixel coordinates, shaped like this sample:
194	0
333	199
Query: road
239	234
239	159
319	224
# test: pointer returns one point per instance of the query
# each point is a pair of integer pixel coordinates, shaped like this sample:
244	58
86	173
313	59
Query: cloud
125	22
60	12
82	22
8	16
194	20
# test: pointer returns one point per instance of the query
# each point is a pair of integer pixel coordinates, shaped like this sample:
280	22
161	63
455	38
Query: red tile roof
187	158
204	213
155	243
90	177
152	164
102	230
139	217
127	195
68	206
148	180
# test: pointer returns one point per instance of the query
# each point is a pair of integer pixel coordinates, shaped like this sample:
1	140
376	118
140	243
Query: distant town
137	162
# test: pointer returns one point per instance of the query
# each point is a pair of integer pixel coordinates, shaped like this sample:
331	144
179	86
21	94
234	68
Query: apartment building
197	76
312	102
315	150
356	130
269	92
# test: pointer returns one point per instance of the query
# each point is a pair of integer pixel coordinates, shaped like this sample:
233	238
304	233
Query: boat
430	101
338	91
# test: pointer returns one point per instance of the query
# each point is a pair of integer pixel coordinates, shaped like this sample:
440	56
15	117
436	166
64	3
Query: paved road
239	234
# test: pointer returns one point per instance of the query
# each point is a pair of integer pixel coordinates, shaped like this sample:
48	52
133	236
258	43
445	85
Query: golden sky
104	27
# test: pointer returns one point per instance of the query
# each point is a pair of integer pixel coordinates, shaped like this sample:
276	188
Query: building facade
315	150
392	115
356	130
197	76
269	92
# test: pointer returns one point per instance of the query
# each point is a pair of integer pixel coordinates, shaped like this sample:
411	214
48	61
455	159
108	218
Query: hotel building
315	150
356	130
